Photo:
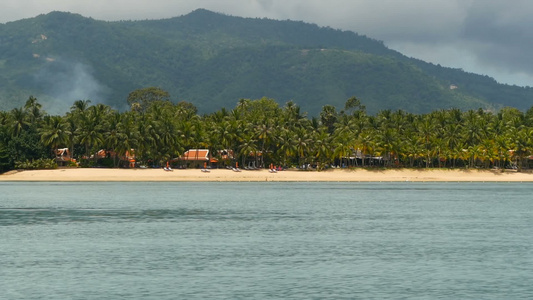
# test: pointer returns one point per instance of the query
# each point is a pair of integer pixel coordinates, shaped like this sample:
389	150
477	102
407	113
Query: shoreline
224	175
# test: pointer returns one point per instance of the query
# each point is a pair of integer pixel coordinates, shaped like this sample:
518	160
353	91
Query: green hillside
213	60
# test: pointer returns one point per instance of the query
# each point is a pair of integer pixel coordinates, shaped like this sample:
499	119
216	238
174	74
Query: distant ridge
213	60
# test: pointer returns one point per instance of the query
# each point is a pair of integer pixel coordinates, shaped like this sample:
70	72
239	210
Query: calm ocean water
266	241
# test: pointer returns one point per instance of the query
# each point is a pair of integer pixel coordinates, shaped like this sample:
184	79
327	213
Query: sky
488	37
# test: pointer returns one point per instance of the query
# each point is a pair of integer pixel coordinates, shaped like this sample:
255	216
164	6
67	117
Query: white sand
337	175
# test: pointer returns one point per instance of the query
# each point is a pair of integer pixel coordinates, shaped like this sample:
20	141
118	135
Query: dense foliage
212	60
261	133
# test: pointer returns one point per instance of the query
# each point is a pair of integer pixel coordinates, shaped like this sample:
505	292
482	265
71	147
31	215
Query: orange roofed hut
196	158
63	157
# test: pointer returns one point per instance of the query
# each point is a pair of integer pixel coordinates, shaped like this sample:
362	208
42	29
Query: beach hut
196	158
127	160
63	157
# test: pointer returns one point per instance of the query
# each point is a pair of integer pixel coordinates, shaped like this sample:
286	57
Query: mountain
213	60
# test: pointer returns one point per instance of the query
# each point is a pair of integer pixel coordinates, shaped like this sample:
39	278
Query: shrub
87	163
106	162
36	164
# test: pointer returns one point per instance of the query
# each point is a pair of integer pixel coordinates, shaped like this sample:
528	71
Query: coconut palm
388	145
342	148
120	135
91	127
54	132
302	143
19	121
80	106
225	135
412	149
34	109
523	143
264	133
426	128
502	143
146	132
367	141
286	145
328	117
128	135
472	128
247	148
321	147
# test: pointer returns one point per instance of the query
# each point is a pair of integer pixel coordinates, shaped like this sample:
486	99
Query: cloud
500	34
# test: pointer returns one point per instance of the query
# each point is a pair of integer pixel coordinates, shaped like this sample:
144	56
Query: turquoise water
266	241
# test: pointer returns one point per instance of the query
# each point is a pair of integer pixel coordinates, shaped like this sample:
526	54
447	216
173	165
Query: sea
207	240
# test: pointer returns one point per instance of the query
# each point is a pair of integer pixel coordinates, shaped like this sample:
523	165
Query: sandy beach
336	175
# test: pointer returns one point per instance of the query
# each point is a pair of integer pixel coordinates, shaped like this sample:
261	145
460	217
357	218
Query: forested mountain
213	60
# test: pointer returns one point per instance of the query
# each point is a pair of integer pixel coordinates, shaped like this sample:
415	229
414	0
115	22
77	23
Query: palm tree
439	150
4	118
54	132
426	128
243	105
490	152
32	102
343	148
387	143
366	140
523	143
291	114
475	152
263	133
90	130
186	131
19	121
321	147
248	147
74	118
302	143
165	140
328	117
80	106
34	109
167	143
286	146
127	136
145	129
472	128
225	135
452	138
120	135
413	149
502	147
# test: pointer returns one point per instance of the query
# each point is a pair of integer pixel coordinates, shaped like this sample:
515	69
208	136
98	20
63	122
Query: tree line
261	132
